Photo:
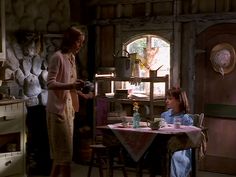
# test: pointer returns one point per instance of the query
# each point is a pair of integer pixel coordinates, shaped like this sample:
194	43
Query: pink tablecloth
137	140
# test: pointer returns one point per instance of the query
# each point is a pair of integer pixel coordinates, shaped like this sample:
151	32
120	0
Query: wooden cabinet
115	96
12	138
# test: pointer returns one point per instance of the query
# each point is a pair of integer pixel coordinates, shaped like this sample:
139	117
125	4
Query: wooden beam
142	20
109	2
207	17
168	19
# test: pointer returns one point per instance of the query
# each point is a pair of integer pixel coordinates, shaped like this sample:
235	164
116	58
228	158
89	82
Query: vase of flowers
136	115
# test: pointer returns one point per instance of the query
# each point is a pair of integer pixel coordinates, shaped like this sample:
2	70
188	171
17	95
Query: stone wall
29	45
39	15
32	33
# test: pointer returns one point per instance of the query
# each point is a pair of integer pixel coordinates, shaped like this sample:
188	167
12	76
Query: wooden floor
81	171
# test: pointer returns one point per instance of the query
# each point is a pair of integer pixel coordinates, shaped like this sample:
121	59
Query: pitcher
123	64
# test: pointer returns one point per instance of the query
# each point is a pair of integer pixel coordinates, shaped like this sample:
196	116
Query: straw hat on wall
223	58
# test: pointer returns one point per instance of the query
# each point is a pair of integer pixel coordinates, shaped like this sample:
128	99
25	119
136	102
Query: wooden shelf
156	102
133	79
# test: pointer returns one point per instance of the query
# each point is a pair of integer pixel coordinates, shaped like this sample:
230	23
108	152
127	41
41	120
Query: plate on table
141	124
124	126
130	125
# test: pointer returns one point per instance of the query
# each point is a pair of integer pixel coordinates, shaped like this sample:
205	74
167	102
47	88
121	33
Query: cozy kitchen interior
181	38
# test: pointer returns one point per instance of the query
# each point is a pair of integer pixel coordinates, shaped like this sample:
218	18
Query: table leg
167	163
110	165
139	170
194	163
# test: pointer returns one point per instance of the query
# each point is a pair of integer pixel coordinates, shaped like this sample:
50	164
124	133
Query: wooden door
216	97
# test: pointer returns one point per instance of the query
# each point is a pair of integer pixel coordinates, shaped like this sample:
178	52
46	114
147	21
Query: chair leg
100	165
91	164
106	156
95	156
110	165
113	153
194	163
124	172
139	171
121	159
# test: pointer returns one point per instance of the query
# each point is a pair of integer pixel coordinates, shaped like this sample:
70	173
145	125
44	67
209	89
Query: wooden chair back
198	120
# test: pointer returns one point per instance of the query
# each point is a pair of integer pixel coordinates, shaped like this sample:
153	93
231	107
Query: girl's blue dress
181	160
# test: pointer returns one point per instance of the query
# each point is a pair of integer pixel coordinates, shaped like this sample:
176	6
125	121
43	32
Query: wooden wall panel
127	10
221	155
207	6
107	46
163	8
186	7
220	6
108	12
233	5
139	10
224	143
134	9
91	13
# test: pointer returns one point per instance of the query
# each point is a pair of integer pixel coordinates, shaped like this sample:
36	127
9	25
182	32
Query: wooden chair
106	158
199	153
198	120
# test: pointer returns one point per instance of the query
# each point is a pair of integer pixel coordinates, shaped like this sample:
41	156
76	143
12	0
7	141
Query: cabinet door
9	126
12	111
12	165
11	118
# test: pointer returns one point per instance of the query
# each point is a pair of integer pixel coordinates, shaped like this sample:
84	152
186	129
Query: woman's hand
86	96
78	84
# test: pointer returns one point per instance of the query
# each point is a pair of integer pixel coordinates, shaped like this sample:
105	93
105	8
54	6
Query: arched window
154	54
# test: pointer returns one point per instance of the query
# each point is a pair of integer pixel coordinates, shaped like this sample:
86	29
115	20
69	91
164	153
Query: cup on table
125	124
177	122
124	120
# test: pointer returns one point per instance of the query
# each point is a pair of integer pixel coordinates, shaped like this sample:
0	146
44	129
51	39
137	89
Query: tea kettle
154	125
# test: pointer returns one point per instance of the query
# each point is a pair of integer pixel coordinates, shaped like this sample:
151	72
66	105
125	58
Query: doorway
216	97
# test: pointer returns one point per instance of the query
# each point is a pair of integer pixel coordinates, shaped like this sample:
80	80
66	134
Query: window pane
137	46
155	54
162	58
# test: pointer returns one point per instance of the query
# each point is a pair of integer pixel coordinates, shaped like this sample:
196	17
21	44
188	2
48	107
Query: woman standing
178	107
63	101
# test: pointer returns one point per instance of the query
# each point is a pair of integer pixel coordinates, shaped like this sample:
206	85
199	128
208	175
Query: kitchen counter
10	101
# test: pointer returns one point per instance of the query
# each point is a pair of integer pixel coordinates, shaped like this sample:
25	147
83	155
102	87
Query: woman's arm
86	96
54	66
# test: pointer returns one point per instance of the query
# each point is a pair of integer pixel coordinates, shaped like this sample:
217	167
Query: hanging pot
123	64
